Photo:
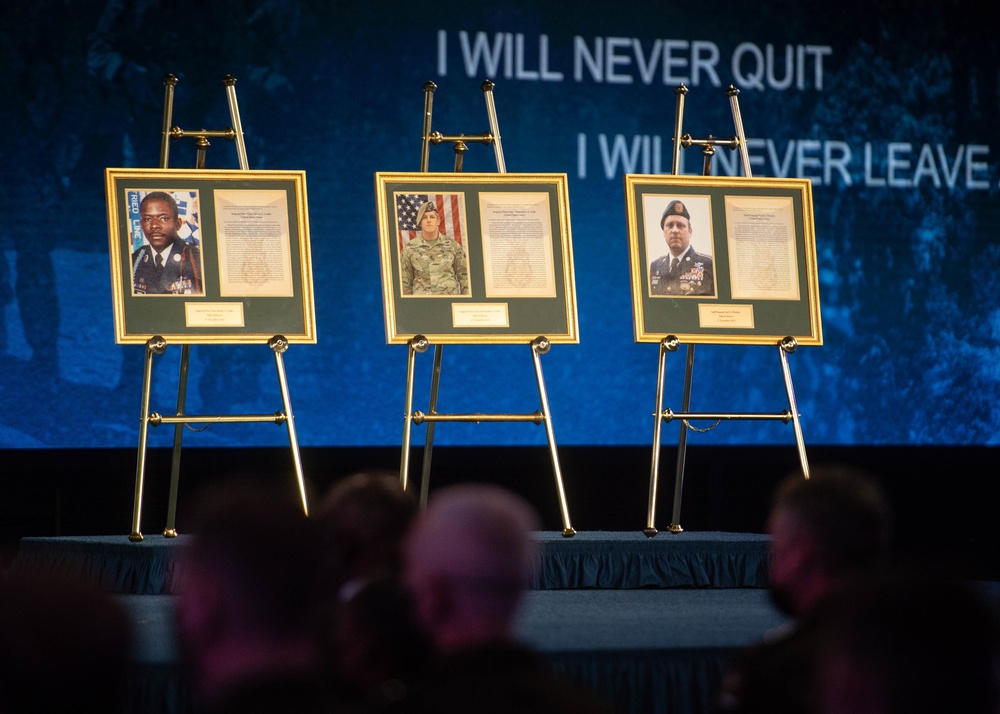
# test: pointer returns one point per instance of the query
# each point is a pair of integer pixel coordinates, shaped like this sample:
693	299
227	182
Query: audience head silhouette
249	614
827	531
468	558
363	519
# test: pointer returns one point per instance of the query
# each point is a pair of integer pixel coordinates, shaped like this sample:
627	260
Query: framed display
723	260
210	256
476	258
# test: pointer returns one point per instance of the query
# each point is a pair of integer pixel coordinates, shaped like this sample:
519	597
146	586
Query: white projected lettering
752	66
500	54
778	67
901	165
632	60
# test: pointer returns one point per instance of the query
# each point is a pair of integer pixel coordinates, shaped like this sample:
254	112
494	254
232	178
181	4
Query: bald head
469	557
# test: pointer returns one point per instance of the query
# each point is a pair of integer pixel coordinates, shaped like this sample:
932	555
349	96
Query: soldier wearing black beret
683	271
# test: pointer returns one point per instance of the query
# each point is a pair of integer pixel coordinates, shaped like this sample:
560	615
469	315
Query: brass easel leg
234	115
425	145
155	345
787	346
425	472
668	343
540	346
169	82
418	344
279	344
675	161
491	112
734	105
675	521
170	531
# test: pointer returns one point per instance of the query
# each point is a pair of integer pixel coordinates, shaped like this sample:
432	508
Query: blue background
908	254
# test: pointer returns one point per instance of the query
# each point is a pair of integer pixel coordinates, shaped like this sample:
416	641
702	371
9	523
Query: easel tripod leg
170	531
540	346
675	521
417	344
279	344
234	115
654	471
155	345
425	471
787	346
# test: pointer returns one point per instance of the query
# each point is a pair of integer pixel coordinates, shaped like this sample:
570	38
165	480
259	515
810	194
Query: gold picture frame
232	262
494	264
746	272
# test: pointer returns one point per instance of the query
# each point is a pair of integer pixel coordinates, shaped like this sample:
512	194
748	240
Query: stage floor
652	650
564	622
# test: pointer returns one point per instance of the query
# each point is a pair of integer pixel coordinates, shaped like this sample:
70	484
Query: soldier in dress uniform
432	263
683	271
166	264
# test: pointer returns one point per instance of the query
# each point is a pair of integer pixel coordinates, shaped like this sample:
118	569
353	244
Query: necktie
673	264
158	259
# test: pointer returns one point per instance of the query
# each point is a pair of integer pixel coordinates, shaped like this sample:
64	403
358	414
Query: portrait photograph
433	249
164	229
679	246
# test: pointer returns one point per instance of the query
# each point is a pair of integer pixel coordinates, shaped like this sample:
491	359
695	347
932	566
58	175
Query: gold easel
671	343
157	345
419	343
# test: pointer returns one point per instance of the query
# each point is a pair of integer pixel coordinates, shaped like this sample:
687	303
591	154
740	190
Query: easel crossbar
177	133
784	416
535	418
439	138
276	418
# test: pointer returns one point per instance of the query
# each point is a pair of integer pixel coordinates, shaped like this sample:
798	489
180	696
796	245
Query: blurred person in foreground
363	519
467	561
251	627
829	534
377	650
64	646
909	646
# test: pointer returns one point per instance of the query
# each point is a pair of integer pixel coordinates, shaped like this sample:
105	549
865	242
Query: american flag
449	207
